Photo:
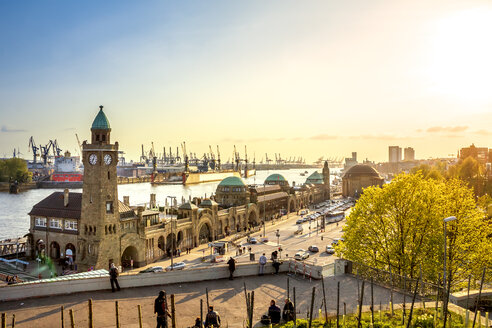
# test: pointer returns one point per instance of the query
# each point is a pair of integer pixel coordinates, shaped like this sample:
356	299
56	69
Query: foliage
14	169
400	226
421	318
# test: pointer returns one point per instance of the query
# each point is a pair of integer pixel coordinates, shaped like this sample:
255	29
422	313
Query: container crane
35	149
80	145
218	158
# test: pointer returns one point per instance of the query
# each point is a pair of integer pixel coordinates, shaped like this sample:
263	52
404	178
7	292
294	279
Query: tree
401	226
14	169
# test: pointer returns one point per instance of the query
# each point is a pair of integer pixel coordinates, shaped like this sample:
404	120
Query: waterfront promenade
226	296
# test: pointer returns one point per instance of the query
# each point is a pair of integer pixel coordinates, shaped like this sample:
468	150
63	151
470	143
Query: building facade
359	177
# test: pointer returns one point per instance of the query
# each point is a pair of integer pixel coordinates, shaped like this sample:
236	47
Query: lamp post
172	236
264	210
446	220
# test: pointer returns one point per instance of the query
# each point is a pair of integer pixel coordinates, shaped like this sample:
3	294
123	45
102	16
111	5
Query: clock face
108	159
93	159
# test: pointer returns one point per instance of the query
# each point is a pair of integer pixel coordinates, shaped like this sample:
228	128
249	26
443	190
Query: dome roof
188	206
208	202
101	121
315	178
232	181
275	178
361	169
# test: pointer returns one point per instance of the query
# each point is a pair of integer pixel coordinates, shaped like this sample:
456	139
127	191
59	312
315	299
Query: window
40	222
71	225
55	223
109	207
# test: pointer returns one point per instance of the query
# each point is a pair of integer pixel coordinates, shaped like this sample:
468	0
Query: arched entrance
161	244
205	235
253	219
310	199
180	238
129	254
70	252
54	250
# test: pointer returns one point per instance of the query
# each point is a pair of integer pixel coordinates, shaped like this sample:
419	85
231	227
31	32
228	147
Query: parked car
330	249
253	240
301	255
153	269
300	221
313	248
303	212
176	266
299	230
337	240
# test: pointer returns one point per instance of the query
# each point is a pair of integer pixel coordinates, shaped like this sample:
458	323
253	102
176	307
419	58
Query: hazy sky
312	78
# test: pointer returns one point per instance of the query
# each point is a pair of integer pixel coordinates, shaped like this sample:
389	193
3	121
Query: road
288	241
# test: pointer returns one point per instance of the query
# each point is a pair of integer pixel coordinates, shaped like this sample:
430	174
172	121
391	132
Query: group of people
11	279
274	313
275	262
212	319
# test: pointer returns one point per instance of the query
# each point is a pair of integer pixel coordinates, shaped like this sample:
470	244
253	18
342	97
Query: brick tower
99	229
326	179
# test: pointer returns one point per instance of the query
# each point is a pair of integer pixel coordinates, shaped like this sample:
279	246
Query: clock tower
99	228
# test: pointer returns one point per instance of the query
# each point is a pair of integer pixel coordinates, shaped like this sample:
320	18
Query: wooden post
404	299
359	316
288	288
13	321
344	313
478	299
117	313
247	301
312	306
413	302
380	312
4	320
62	318
72	321
91	322
201	313
208	304
295	307
338	304
372	303
324	297
173	312
140	325
251	309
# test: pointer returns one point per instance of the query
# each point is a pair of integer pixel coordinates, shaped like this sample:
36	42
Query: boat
303	174
67	173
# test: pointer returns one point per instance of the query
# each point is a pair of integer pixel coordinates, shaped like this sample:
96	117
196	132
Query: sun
460	56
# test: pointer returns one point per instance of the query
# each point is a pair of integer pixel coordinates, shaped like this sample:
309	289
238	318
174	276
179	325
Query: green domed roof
232	181
101	121
315	178
275	178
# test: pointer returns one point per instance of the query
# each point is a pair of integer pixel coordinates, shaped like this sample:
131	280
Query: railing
395	281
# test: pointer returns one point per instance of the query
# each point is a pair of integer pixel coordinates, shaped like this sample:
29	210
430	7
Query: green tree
14	169
401	226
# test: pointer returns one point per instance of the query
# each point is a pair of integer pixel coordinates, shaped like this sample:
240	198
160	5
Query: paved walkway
226	296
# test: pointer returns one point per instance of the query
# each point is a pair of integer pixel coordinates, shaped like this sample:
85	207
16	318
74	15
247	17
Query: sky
299	78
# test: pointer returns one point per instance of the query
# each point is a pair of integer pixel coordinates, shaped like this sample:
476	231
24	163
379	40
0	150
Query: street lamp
446	220
172	236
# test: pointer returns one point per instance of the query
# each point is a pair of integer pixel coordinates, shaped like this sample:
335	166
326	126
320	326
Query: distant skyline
311	78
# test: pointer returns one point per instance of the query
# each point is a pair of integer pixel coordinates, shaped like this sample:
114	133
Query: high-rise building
481	154
394	154
409	154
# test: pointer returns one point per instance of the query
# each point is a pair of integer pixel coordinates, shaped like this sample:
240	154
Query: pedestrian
198	323
263	261
232	267
212	318
160	308
288	312
113	277
276	265
274	312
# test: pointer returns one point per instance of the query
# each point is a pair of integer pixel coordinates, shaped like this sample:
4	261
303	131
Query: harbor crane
56	150
218	158
80	145
35	149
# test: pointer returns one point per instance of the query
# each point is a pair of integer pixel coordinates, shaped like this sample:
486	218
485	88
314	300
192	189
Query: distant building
359	177
409	154
394	154
350	161
481	154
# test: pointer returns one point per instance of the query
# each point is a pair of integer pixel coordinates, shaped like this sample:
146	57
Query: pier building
93	229
358	177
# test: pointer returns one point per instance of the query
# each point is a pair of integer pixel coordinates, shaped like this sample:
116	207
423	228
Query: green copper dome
232	181
275	178
315	178
101	121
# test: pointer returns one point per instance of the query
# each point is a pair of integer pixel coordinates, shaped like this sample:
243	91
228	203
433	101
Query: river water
14	221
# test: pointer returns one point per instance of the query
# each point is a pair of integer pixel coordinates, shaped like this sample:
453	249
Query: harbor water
14	220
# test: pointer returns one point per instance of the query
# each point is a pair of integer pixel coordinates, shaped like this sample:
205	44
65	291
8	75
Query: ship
67	173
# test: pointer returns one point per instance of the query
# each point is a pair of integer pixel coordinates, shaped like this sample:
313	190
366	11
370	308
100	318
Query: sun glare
460	63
